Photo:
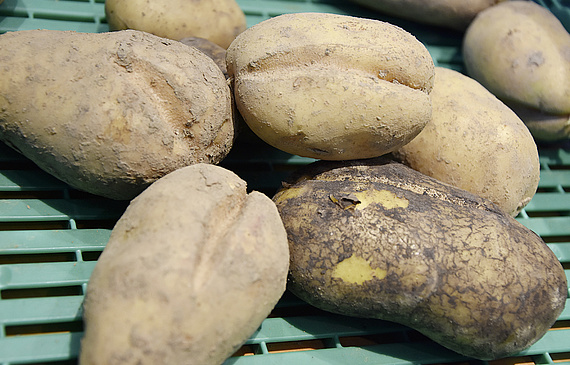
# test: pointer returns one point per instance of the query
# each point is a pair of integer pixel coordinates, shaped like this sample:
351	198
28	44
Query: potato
218	21
110	113
329	86
191	269
376	239
475	142
521	52
454	14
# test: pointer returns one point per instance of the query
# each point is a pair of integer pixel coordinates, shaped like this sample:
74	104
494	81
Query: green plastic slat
39	348
554	178
31	24
47	241
548	202
554	341
12	210
40	310
319	327
548	226
42	275
565	315
555	157
561	250
393	354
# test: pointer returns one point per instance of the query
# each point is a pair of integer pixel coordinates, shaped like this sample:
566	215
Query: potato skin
110	113
191	269
330	86
376	239
521	52
219	21
475	142
455	14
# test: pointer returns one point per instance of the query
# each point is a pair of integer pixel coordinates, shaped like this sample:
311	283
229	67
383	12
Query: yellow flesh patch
386	198
356	270
288	193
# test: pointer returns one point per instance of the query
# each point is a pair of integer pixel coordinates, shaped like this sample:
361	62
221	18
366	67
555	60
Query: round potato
329	86
219	21
520	52
377	239
475	142
455	14
109	113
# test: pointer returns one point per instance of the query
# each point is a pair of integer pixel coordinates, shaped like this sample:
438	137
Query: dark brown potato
376	239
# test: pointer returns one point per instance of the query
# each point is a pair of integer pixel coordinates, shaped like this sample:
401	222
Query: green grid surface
51	235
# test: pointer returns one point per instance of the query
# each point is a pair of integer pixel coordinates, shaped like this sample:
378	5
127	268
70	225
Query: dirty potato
191	269
329	86
377	239
109	113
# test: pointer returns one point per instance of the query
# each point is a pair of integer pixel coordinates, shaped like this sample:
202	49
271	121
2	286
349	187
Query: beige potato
521	52
191	269
110	113
455	14
331	86
376	239
475	142
218	21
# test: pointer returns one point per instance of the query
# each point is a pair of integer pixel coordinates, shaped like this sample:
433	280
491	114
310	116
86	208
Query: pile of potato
408	215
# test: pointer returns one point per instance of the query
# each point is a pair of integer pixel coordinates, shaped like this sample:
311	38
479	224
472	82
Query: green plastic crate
51	235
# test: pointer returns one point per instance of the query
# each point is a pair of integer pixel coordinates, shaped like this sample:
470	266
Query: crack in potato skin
458	270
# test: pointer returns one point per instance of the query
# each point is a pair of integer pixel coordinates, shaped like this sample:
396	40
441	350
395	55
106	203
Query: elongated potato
110	113
455	14
218	21
191	269
330	86
475	142
376	239
521	52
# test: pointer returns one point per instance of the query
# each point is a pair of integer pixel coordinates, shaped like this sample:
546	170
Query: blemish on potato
386	198
288	194
357	270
